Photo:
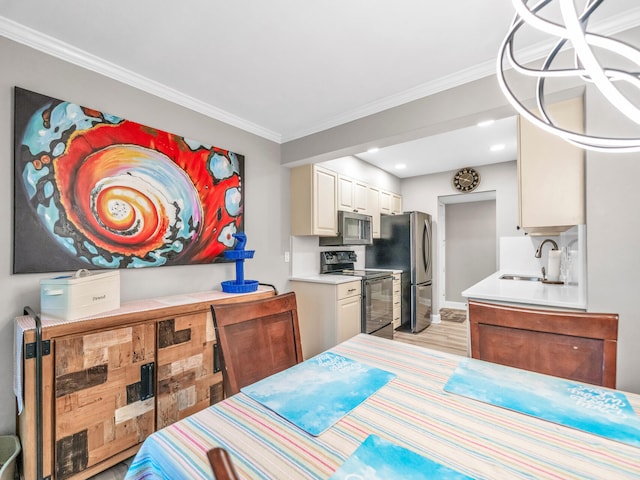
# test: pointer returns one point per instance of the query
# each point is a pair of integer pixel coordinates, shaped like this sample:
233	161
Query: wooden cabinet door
353	195
325	206
361	198
396	204
397	300
314	200
104	400
564	356
346	200
574	345
551	173
348	321
373	206
385	202
189	379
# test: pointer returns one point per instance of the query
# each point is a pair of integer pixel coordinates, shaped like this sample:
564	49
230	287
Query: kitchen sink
520	277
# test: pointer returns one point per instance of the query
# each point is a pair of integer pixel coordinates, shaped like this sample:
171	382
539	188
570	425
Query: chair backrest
221	464
256	339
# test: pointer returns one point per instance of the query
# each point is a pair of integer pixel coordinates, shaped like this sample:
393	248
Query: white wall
613	238
266	192
471	246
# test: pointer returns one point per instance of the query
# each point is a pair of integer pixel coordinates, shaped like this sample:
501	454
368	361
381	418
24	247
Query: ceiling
466	147
283	69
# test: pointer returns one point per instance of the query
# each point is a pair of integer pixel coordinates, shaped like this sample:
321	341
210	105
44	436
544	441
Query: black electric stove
342	262
377	290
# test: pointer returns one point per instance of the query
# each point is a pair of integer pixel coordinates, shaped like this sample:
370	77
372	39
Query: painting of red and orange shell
96	191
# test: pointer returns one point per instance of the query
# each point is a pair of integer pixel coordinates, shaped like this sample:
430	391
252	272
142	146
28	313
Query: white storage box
80	295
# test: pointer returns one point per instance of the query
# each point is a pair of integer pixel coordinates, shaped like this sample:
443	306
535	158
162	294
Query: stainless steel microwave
353	229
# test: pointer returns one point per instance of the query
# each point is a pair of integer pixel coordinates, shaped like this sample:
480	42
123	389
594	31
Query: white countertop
327	278
335	279
527	292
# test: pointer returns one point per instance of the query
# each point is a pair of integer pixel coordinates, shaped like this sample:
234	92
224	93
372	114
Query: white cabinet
385	202
397	300
327	313
353	195
317	194
551	173
390	203
348	312
396	204
373	204
313	201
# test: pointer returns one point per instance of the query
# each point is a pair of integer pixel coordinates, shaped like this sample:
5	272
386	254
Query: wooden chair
256	339
221	464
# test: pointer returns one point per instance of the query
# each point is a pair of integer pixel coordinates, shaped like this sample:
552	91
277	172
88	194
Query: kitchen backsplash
517	254
305	255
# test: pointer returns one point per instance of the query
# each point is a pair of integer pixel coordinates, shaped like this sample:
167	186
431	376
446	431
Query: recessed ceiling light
486	123
373	150
400	166
497	148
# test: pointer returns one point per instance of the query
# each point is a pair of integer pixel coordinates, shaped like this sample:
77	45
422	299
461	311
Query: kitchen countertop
527	292
335	279
327	278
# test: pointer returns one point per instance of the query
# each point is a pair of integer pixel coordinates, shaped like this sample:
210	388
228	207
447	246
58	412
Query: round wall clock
466	179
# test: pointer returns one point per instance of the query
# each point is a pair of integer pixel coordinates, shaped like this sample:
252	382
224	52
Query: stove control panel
338	256
337	260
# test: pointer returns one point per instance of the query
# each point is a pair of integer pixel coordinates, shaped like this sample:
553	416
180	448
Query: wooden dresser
110	381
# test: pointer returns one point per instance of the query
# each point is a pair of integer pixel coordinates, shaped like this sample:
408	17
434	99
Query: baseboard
435	318
455	305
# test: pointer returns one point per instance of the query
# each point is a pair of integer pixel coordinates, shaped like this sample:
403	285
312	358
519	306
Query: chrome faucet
539	250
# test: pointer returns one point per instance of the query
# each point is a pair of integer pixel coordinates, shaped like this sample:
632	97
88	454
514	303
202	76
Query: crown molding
34	39
52	46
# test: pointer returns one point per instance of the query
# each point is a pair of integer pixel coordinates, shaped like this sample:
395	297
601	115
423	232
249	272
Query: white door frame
442	202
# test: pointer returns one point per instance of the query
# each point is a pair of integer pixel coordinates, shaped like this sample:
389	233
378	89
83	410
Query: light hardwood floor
445	336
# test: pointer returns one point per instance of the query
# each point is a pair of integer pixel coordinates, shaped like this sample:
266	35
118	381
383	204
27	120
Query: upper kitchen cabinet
551	173
390	203
373	205
313	201
396	204
353	195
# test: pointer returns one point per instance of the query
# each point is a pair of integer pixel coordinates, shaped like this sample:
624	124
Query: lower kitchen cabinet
109	382
327	314
348	311
568	344
397	300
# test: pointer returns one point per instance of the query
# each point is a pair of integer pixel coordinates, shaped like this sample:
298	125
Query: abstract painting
318	392
93	190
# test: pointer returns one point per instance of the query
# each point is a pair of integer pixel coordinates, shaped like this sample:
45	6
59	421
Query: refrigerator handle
426	247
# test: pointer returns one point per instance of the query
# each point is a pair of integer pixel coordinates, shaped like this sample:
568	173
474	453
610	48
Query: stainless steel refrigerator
405	244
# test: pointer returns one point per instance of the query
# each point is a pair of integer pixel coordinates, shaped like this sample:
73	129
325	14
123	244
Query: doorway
468	245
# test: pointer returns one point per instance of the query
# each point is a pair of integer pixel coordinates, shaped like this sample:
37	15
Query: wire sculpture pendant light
573	35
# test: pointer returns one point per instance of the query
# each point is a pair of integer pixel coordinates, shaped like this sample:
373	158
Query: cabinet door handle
352	290
146	381
216	358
